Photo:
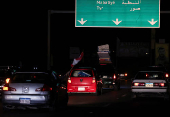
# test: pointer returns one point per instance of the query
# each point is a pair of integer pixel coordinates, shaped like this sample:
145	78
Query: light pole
48	41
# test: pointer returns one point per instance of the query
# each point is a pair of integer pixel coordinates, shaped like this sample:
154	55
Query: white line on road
106	105
124	95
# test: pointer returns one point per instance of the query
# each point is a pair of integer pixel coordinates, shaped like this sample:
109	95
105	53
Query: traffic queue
48	89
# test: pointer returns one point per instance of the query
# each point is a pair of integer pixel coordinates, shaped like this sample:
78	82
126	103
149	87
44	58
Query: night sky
24	33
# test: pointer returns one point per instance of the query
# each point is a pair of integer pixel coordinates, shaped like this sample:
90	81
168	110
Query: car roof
32	72
151	71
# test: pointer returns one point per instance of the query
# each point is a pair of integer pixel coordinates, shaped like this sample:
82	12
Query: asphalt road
110	103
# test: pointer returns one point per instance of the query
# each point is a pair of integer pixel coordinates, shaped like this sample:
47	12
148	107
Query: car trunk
26	88
81	81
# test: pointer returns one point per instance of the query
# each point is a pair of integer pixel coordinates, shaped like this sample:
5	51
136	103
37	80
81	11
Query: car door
60	88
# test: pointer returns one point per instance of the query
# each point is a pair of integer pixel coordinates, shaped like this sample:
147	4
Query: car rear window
82	73
29	78
150	75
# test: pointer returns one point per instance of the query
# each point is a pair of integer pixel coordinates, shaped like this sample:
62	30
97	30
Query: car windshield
82	73
150	75
29	78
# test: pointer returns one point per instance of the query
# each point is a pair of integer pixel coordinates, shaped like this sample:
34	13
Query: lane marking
106	105
124	95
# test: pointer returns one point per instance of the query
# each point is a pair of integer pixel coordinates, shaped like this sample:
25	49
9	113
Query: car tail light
7	88
156	84
44	88
69	80
114	76
162	84
93	80
138	84
166	75
146	75
125	74
7	80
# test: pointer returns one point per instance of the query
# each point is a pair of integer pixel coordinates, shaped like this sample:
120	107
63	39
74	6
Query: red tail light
69	80
166	75
114	76
44	88
138	84
146	75
7	80
125	74
7	88
93	80
162	84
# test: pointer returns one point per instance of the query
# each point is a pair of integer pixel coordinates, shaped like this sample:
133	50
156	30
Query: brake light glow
146	75
5	88
93	81
114	76
7	80
138	84
162	84
125	74
166	75
69	80
44	88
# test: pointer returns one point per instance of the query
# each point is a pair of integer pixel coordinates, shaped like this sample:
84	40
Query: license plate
25	100
149	85
81	88
122	74
104	76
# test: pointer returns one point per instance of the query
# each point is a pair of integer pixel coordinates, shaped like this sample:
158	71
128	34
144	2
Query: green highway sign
117	13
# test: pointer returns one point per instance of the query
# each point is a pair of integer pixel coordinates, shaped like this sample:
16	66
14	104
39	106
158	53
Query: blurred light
146	75
136	84
162	84
7	80
102	64
167	75
5	88
147	53
125	74
114	76
69	80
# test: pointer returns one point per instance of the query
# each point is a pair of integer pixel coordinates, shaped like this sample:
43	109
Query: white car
150	83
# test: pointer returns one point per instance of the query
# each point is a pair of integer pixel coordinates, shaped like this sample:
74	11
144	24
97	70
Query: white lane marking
106	105
124	95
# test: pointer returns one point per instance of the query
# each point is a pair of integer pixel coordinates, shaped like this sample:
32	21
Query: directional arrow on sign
117	22
81	22
152	22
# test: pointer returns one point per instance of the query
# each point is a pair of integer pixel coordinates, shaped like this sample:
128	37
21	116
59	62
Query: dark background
24	33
